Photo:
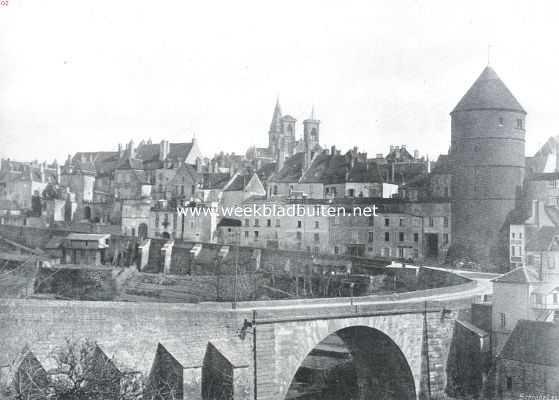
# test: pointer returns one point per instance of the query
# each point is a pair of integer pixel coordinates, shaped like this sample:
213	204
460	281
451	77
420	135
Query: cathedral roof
488	93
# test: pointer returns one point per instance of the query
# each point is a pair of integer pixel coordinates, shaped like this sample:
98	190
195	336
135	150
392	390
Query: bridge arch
283	346
354	362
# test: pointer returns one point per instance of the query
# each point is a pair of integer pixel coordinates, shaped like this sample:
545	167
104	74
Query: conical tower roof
488	93
275	126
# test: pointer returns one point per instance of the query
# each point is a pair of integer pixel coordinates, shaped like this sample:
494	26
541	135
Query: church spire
275	126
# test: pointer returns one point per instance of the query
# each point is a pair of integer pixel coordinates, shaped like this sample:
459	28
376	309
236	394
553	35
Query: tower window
519	123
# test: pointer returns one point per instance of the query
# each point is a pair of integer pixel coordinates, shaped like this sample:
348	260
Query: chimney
163	150
131	150
333	150
120	150
42	172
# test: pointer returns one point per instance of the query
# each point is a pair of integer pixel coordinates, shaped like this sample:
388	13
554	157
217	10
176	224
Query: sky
88	75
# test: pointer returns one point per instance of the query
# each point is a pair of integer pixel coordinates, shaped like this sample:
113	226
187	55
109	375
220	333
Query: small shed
85	248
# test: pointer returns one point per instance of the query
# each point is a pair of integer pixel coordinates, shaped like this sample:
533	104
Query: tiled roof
533	342
540	239
266	171
365	172
488	93
215	181
150	152
130	163
553	214
239	183
292	169
518	275
327	168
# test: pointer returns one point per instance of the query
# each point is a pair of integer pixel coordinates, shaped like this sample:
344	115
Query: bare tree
84	372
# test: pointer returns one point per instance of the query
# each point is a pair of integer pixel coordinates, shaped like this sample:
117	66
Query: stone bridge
400	344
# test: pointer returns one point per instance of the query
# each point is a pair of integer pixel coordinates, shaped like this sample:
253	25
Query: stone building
528	366
195	222
487	156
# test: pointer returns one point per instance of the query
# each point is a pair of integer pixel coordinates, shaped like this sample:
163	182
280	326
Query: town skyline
387	79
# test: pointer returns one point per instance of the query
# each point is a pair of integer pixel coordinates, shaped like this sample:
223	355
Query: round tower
487	153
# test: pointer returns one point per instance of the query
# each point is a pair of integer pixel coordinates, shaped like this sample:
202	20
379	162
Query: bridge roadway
479	285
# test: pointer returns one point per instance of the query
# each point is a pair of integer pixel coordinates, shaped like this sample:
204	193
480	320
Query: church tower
311	138
487	153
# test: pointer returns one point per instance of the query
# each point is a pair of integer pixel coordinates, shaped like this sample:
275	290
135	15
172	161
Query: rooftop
488	93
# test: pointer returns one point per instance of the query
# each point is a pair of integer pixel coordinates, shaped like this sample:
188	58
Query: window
445	238
371	220
256	222
299	235
539	298
416	237
269	222
299	224
256	236
246	234
275	189
401	221
401	236
513	251
336	250
513	235
555	300
501	121
519	123
503	320
351	192
477	147
327	191
277	223
316	224
247	222
431	222
316	237
509	383
387	222
156	220
387	236
315	251
445	222
370	237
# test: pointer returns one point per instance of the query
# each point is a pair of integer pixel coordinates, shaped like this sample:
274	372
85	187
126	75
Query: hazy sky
86	75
